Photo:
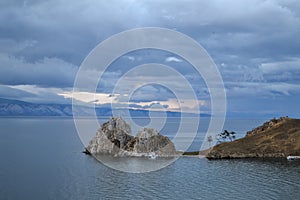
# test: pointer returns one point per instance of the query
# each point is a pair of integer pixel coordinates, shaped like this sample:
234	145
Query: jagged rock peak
146	133
117	123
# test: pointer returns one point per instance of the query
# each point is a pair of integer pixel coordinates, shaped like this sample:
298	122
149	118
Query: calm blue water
42	159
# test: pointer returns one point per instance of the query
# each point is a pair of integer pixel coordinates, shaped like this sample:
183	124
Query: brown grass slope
279	140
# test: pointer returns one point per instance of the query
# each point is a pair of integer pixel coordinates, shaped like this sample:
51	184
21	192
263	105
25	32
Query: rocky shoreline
277	138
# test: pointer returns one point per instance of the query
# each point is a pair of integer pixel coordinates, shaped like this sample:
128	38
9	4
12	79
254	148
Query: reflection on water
135	164
42	159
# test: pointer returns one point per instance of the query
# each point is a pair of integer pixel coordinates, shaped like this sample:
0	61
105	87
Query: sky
254	43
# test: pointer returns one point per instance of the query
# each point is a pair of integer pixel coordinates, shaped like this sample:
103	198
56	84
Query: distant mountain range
10	107
21	108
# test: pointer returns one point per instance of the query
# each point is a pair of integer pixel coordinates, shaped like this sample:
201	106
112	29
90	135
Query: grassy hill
276	138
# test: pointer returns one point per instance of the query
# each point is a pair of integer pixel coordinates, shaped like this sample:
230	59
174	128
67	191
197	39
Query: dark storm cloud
69	30
64	29
254	43
249	27
49	72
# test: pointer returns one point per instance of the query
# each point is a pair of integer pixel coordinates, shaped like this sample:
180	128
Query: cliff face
276	138
149	140
114	137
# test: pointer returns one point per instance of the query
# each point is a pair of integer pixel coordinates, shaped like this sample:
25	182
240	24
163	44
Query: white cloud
261	90
280	67
39	94
88	97
284	71
131	58
171	104
173	59
10	92
241	73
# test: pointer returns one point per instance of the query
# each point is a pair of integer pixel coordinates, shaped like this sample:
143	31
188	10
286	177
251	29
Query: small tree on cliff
209	139
225	136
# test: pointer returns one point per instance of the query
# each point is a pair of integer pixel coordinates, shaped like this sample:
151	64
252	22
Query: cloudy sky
254	43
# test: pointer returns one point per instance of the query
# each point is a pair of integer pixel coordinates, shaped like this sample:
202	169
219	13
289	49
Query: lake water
42	159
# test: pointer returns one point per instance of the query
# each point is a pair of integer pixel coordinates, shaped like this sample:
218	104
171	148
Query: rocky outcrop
267	125
115	138
149	140
275	138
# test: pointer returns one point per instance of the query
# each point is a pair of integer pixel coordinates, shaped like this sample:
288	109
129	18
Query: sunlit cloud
100	99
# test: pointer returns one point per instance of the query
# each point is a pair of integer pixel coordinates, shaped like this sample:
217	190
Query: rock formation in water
114	137
275	138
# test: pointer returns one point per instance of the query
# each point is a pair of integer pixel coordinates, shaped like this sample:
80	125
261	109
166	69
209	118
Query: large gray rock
149	140
111	137
114	137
